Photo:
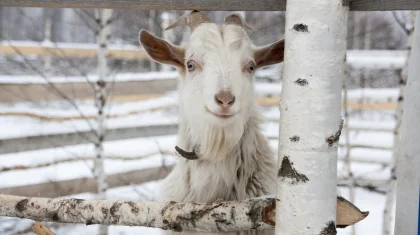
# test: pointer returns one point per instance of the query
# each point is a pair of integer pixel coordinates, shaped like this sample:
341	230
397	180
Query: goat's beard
216	141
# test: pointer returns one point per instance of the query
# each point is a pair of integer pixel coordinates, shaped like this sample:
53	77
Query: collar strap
185	154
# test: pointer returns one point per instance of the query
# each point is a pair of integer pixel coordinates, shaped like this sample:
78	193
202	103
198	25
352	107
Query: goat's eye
250	67
191	65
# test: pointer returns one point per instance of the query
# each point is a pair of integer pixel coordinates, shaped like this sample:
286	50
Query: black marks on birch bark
134	208
294	138
301	28
329	229
336	137
22	205
301	82
287	171
254	214
55	217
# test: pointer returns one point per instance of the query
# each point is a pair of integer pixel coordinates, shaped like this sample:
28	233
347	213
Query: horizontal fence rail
71	50
87	185
29	143
208	5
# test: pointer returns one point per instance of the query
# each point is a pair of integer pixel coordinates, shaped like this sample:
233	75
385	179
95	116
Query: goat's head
217	66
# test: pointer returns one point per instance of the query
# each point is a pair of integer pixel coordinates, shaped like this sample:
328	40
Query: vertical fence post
408	163
310	122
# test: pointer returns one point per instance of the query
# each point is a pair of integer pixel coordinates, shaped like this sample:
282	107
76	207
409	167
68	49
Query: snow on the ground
364	166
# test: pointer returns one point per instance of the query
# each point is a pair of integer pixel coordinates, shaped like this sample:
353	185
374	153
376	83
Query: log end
40	229
348	214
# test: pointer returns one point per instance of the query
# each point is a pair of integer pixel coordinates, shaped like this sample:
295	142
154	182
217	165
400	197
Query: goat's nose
224	98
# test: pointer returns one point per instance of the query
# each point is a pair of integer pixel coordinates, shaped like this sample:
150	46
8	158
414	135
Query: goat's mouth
220	115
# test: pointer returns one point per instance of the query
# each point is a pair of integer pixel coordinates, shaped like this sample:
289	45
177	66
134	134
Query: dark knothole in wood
329	229
301	28
301	82
334	138
294	138
287	171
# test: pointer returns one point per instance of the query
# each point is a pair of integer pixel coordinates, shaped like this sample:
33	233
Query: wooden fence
209	5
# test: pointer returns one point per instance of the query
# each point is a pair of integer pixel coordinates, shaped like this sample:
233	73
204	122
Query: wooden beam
87	185
75	50
208	5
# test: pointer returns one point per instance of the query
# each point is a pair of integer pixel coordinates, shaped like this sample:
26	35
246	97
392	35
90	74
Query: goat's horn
236	19
192	19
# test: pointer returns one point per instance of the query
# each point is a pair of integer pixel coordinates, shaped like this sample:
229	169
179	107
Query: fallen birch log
254	214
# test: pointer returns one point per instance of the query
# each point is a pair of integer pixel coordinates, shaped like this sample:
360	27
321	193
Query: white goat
219	120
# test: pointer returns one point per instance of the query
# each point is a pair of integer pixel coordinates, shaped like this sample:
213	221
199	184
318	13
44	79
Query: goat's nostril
232	101
217	100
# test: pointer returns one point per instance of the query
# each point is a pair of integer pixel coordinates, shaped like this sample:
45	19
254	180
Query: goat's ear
269	54
161	50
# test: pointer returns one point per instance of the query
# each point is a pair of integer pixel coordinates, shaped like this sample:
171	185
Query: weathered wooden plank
87	185
82	137
83	90
71	50
384	5
207	5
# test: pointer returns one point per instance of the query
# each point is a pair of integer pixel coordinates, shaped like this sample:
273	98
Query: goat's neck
225	175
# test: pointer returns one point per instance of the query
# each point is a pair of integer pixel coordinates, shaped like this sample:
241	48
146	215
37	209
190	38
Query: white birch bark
310	123
391	194
104	33
408	163
225	216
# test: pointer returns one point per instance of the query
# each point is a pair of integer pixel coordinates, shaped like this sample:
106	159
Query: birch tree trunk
391	194
310	123
103	18
408	168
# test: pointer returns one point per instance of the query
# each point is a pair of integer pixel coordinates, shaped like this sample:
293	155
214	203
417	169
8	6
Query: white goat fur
235	161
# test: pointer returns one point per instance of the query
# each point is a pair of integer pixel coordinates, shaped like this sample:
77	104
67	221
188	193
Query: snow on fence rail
372	59
221	216
88	184
54	140
28	143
